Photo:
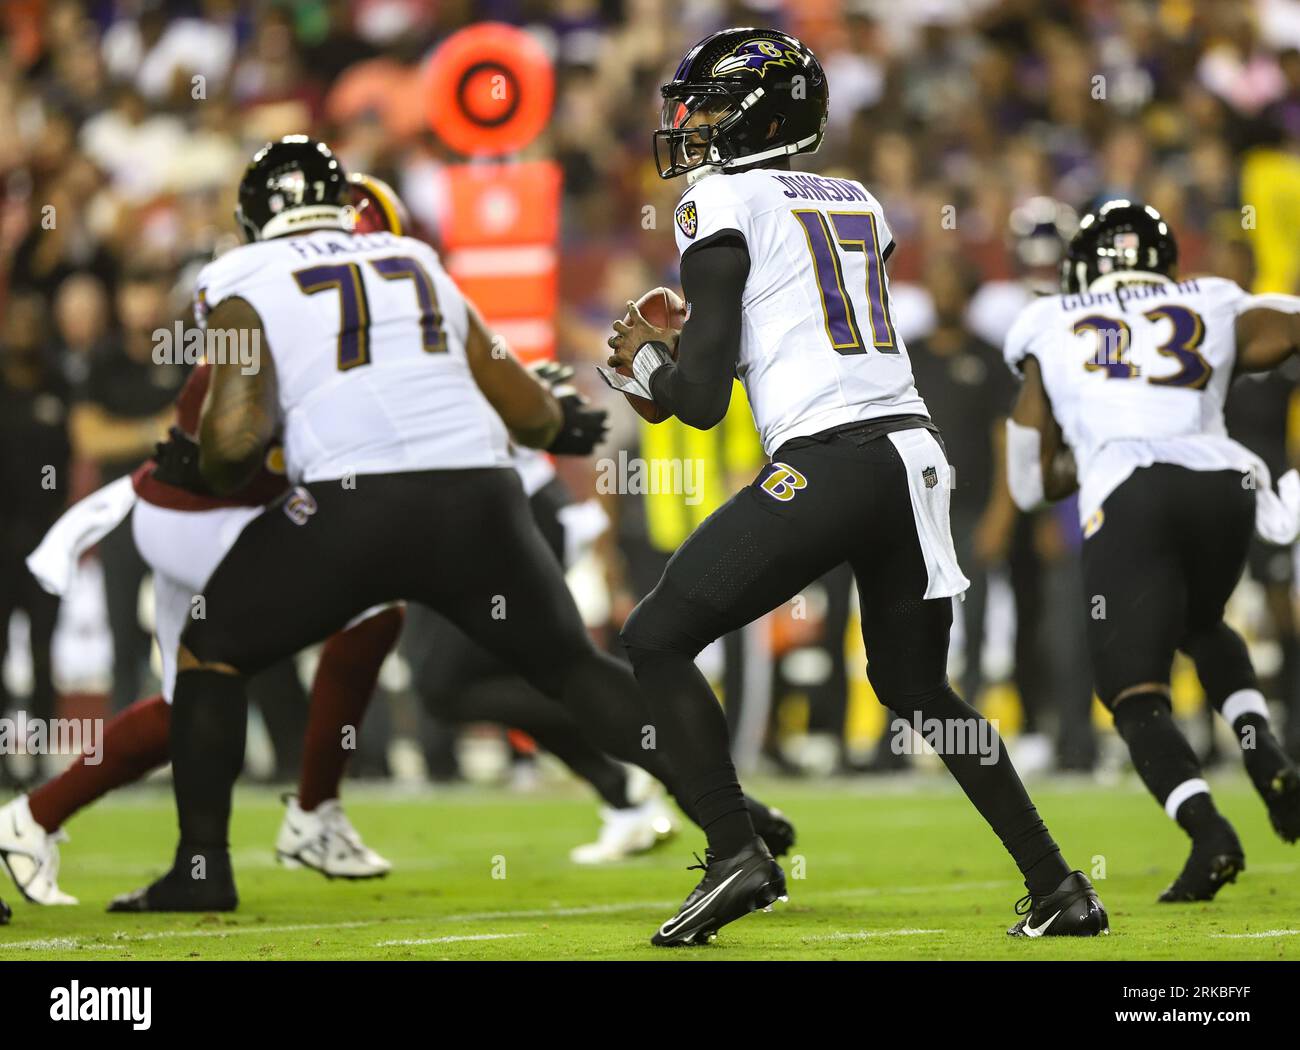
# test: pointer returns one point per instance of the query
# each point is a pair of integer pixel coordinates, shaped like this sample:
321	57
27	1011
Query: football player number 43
829	234
354	309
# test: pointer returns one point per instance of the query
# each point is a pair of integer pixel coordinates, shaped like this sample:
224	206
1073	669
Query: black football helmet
765	95
1120	235
292	186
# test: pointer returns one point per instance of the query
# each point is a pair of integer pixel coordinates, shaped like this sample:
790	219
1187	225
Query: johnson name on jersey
818	346
1136	375
367	333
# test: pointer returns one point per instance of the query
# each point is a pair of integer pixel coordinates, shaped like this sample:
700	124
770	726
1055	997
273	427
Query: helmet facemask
693	129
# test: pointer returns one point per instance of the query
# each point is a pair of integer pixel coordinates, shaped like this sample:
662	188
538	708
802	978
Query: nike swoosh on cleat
695	908
1031	932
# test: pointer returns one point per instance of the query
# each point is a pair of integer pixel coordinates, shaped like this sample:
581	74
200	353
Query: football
663	308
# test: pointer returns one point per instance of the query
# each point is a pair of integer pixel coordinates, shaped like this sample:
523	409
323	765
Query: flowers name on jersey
755	56
688	218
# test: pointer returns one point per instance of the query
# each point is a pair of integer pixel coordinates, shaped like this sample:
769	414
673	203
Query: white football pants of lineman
183	548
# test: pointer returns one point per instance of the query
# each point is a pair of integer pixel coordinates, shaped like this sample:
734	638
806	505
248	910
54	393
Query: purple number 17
853	231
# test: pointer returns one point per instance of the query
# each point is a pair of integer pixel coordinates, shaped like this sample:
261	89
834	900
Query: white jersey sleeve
708	208
1030	333
221	278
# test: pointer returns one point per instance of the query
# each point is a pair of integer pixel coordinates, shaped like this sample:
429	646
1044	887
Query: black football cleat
1073	909
181	890
1208	870
1283	801
5	914
732	887
776	831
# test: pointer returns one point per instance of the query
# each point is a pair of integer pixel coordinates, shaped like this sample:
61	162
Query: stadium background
962	116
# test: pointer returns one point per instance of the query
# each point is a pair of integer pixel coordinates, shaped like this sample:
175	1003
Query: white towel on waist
929	483
81	526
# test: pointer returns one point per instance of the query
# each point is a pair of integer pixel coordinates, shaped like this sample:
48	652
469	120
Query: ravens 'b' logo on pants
783	482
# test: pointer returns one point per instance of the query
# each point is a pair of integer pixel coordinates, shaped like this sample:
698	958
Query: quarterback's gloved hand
583	428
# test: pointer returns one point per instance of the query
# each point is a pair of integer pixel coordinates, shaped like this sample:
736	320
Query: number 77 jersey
818	347
367	333
1136	374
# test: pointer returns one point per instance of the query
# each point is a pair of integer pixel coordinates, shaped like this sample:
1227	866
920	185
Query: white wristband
1024	465
648	360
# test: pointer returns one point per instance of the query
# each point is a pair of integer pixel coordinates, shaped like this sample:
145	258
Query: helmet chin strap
703	172
789	149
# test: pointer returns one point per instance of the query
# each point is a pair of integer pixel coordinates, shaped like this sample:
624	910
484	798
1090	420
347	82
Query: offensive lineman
1125	375
396	405
784	278
181	530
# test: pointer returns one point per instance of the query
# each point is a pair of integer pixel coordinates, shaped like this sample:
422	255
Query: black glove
177	462
584	427
553	374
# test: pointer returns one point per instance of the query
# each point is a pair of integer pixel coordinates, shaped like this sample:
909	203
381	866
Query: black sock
1261	752
513	702
722	809
1228	678
1164	759
994	788
209	722
1199	818
691	730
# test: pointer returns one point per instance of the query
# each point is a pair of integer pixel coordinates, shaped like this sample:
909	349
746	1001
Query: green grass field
889	871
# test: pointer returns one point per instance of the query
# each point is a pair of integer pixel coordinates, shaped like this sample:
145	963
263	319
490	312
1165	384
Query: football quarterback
784	277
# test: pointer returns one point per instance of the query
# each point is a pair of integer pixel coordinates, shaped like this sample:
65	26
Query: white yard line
559	911
863	935
1255	936
449	940
902	891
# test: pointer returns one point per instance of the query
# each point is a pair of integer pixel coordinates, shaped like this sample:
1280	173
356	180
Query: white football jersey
818	344
367	333
1137	375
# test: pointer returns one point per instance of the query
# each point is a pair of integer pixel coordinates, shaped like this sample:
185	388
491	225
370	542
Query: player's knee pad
903	687
202	648
1222	661
658	626
1137	711
906	703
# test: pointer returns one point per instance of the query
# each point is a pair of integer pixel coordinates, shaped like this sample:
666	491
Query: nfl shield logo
930	476
688	219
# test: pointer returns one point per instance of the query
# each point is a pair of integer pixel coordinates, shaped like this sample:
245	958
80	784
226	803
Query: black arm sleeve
697	387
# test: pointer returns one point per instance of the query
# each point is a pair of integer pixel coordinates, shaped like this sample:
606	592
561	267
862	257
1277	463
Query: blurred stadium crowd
983	126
